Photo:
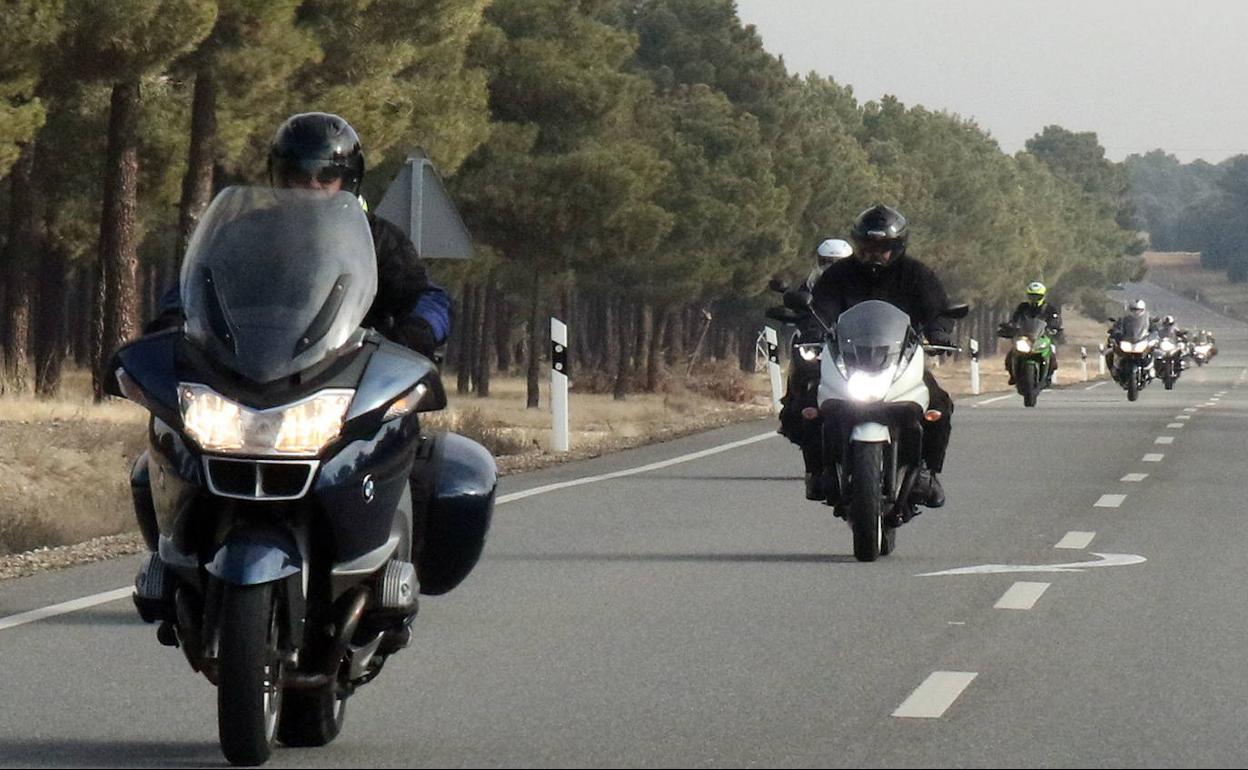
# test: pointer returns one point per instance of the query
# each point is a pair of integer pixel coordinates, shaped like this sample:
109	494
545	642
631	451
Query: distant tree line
638	167
1195	206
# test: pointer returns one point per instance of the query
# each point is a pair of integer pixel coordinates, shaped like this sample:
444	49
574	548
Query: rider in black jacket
882	270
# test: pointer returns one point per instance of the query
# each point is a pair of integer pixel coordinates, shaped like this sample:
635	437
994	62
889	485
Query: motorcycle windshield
276	280
1032	327
1134	328
872	335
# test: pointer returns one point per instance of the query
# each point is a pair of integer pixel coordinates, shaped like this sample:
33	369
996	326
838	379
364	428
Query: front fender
250	557
870	433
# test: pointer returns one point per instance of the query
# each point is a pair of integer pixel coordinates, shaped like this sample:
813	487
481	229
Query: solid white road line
1109	501
1152	458
1021	596
634	471
1164	440
21	619
1075	540
937	693
1134	477
1097	385
991	400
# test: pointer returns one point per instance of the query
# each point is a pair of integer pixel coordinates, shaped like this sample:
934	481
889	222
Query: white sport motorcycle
873	401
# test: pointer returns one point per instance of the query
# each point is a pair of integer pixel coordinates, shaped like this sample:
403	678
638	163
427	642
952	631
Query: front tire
249	693
867	466
1030	383
1133	384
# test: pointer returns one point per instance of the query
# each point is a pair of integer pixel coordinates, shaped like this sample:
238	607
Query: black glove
939	337
414	333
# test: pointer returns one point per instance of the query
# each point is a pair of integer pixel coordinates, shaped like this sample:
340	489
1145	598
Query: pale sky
1142	74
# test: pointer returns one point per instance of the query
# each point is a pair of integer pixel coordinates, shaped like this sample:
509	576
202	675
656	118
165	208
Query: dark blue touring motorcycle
294	507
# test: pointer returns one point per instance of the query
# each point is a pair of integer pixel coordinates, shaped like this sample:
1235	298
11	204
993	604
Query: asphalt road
702	613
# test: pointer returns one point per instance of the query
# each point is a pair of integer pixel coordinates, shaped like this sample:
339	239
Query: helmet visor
876	251
311	173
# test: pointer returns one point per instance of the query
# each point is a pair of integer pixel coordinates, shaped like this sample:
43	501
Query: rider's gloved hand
939	337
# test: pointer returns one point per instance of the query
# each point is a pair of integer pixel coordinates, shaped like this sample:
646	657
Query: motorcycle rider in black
803	382
1036	306
881	269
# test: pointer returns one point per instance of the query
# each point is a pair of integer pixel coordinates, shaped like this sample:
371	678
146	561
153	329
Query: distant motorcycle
1133	346
1201	349
1168	360
1032	361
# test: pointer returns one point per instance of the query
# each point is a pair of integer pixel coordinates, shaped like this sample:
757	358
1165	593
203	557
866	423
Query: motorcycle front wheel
249	692
1133	383
867	467
1030	383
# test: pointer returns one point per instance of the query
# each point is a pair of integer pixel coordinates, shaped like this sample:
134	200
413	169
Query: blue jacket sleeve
434	308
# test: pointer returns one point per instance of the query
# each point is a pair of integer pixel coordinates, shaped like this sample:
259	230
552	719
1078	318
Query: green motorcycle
1031	359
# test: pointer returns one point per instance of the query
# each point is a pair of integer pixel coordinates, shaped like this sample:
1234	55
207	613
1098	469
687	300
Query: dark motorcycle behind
1132	366
285	448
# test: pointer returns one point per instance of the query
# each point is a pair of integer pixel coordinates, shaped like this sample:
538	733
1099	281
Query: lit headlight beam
302	428
866	386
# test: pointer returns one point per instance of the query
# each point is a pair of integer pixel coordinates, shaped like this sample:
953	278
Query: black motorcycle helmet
879	236
316	145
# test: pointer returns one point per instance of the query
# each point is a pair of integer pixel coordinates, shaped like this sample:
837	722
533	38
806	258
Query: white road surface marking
1103	560
1134	477
1164	440
1021	596
22	618
1152	458
1109	501
1076	540
1097	385
1175	425
991	400
934	697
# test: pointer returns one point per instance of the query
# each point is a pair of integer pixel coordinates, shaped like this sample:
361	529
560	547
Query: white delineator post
1100	359
1083	361
974	367
1055	371
773	367
559	384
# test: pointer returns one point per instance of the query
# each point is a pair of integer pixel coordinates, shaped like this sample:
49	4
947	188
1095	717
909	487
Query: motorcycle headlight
810	351
1168	346
303	428
1022	345
1202	349
1124	346
868	386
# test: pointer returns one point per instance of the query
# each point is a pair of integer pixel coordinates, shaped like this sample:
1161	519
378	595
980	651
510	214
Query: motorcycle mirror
782	314
1112	320
959	310
777	285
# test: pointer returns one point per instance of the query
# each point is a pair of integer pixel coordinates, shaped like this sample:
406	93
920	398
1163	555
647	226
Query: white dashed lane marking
1164	440
1021	596
934	697
1152	458
1075	540
1109	501
1134	477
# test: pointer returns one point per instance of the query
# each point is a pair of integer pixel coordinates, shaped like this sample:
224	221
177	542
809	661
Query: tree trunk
621	369
50	324
80	316
535	345
502	332
485	344
197	181
118	255
19	256
658	322
463	361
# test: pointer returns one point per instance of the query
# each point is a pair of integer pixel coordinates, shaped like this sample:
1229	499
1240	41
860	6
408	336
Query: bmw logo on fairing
369	489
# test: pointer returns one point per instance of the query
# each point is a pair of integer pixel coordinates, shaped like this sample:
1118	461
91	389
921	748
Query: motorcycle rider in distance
882	270
1136	309
1036	306
800	392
